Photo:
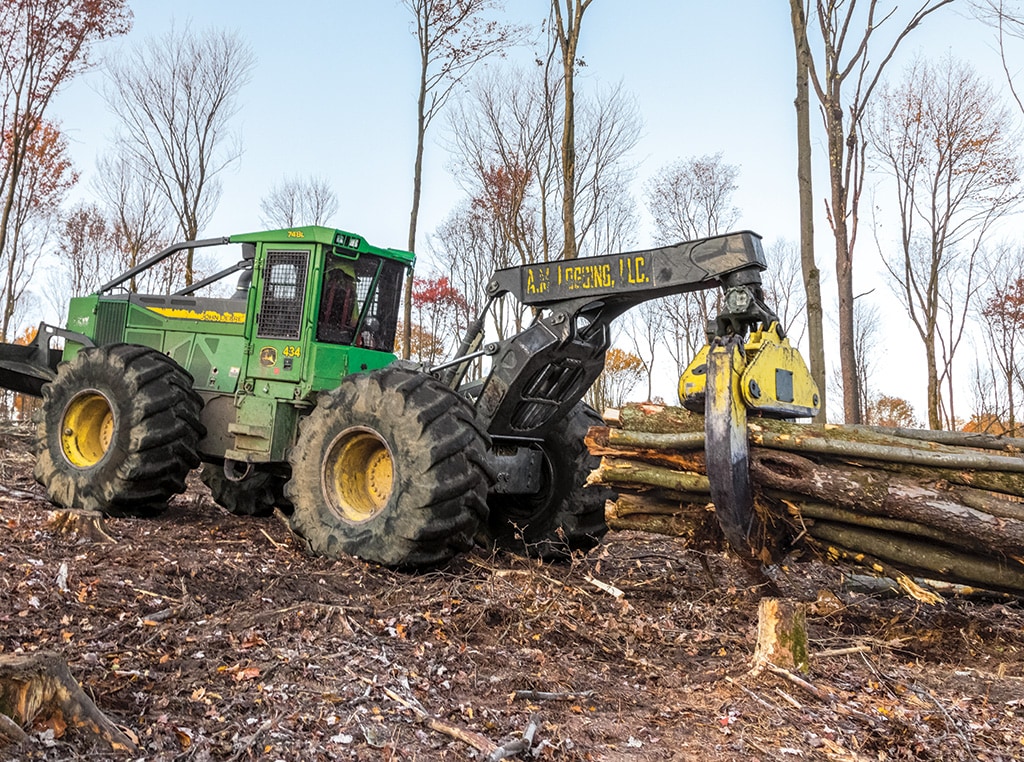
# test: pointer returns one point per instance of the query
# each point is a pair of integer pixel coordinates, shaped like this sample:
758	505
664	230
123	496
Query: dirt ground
212	637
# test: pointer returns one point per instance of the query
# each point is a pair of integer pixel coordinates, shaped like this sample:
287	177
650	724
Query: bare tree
453	36
685	327
691	198
622	372
948	144
867	324
503	158
645	327
503	155
782	287
175	96
836	60
43	44
609	126
141	216
88	238
299	201
808	264
44	177
567	27
1007	18
1000	315
468	246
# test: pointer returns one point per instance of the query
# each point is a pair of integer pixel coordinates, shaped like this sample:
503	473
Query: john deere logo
268	357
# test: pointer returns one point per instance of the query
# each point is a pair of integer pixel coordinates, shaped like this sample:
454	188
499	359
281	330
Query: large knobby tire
118	431
566	515
255	495
389	467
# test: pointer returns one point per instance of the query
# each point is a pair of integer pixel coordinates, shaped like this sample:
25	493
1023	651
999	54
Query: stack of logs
905	503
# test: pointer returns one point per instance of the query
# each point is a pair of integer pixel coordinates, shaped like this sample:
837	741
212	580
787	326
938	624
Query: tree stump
40	685
781	635
86	524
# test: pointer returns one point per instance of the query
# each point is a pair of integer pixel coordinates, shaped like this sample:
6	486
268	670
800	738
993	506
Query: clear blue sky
333	94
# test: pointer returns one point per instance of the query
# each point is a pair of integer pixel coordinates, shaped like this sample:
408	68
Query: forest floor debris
206	636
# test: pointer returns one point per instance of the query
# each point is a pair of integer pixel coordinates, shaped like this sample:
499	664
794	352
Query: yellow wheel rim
358	475
86	429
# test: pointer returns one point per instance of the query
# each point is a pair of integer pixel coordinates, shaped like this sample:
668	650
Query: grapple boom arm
630	278
539	374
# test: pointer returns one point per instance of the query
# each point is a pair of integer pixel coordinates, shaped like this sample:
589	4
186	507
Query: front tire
390	467
566	515
118	431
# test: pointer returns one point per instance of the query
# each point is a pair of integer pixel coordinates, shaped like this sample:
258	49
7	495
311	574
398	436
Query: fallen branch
514	747
842	651
12	730
799	682
472	738
19	494
549	696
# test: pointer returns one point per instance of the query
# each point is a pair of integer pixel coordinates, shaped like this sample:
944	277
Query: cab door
280	336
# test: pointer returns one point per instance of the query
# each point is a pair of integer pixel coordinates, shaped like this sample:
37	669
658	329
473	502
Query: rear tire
389	467
256	495
118	431
566	515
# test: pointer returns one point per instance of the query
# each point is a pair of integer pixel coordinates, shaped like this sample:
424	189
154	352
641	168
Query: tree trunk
808	266
931	365
414	213
568	32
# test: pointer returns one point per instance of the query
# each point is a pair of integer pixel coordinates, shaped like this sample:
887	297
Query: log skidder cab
288	394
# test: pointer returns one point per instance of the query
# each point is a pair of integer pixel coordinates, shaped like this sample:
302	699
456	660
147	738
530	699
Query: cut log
881	494
951	438
926	559
693	522
622	471
40	686
659	419
898	502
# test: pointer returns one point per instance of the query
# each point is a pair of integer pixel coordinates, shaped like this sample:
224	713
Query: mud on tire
389	467
118	431
566	515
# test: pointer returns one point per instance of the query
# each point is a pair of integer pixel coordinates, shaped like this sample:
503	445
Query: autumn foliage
622	372
441	314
